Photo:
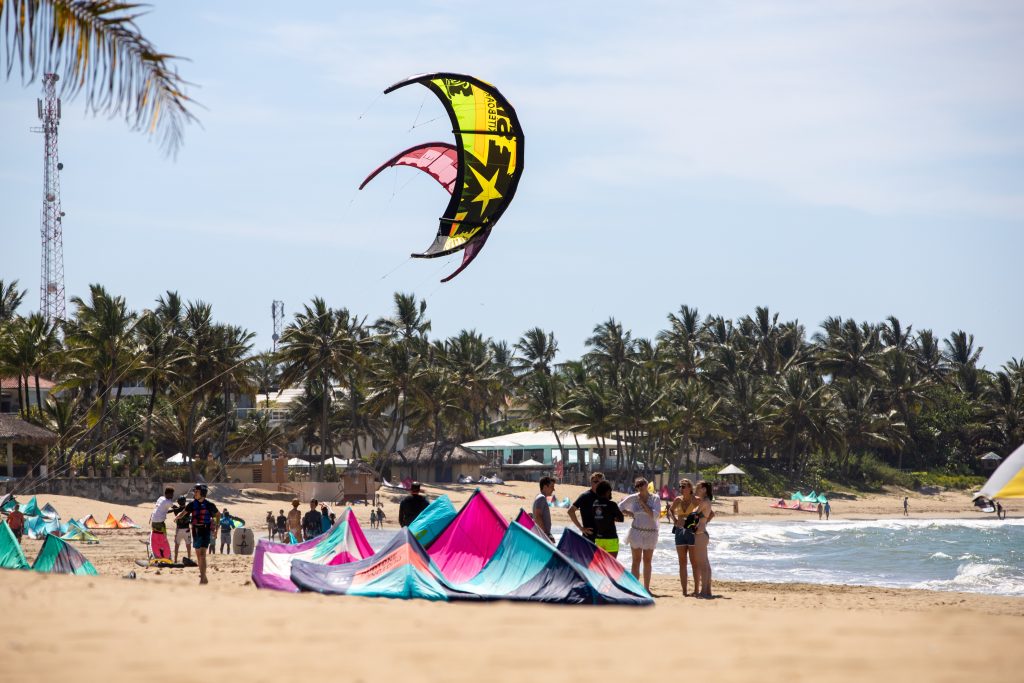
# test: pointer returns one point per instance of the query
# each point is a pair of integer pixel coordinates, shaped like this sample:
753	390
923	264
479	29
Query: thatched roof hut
15	430
437	462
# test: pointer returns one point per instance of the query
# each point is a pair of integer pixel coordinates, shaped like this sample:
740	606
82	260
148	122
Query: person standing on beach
821	510
541	511
584	504
642	538
906	507
205	517
325	519
16	521
270	525
282	527
703	514
311	521
181	528
373	518
606	514
411	506
227	524
380	516
828	510
295	521
677	514
158	518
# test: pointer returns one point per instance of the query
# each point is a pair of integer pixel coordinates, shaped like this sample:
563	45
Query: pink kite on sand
469	540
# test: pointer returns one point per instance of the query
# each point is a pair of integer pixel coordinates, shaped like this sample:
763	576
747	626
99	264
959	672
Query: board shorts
200	537
684	537
182	535
160	527
610	545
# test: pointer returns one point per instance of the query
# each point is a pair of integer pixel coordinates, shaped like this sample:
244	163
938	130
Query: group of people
377	517
296	526
596	515
197	521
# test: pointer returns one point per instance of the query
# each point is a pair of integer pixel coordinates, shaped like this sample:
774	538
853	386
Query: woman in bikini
699	518
642	538
682	506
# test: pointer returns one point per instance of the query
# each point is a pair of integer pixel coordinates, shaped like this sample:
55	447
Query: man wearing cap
205	517
411	506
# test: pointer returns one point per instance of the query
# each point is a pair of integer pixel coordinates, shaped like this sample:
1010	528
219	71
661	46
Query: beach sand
162	626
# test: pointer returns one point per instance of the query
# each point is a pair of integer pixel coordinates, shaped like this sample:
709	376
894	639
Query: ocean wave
940	556
979	577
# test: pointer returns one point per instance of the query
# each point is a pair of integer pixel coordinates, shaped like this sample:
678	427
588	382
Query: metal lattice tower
51	285
277	311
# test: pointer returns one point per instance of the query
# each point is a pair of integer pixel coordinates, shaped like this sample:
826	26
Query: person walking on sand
702	514
295	521
906	507
684	537
373	518
642	538
411	506
541	511
380	516
205	517
16	521
606	514
828	510
270	524
584	504
181	528
821	510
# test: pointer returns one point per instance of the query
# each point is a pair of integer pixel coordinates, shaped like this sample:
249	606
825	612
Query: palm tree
257	434
536	351
317	346
97	49
10	297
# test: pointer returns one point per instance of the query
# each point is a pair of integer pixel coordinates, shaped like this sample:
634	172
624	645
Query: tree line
756	390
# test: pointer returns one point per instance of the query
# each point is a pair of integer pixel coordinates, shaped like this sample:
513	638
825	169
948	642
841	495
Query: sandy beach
107	628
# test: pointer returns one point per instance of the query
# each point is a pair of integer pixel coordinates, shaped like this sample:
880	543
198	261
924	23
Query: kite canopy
603	570
1008	479
57	557
77	532
439	160
429	524
11	554
470	540
344	542
488	164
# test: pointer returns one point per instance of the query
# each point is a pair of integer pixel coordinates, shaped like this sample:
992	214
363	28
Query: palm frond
96	48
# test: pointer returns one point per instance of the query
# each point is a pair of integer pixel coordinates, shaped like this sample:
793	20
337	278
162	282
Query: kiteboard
161	564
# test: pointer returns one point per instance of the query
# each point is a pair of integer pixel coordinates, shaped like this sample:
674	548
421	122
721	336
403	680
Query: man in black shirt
606	513
282	527
311	521
584	504
411	506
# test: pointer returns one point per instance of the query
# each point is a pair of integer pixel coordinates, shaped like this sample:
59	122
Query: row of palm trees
756	390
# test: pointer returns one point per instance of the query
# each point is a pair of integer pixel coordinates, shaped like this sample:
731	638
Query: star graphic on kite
487	189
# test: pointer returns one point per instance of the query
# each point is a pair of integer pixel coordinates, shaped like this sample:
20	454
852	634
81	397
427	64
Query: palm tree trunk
149	413
39	395
323	423
21	401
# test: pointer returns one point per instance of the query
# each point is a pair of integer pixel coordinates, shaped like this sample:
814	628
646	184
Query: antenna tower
51	284
277	311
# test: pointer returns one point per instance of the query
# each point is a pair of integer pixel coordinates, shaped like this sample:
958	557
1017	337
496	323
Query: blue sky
819	158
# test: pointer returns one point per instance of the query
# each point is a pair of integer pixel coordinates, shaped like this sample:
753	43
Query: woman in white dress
645	509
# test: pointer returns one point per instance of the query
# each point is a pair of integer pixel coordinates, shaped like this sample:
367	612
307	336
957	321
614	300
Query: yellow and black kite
489	149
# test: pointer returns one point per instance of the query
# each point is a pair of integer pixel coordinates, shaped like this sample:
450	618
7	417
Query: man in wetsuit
411	506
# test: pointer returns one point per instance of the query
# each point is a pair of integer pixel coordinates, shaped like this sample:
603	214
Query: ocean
970	555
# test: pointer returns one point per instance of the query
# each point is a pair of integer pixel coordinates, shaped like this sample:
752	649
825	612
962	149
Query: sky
819	158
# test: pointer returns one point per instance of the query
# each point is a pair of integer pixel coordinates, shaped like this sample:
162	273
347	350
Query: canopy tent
344	542
1008	479
176	459
526	465
731	469
298	462
337	462
991	457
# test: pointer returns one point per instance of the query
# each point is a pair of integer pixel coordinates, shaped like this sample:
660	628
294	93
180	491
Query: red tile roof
12	383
